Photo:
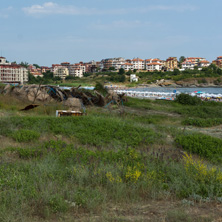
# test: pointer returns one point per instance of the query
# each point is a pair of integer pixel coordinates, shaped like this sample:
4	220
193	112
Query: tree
121	71
182	59
31	78
112	68
176	72
37	66
48	75
24	64
129	72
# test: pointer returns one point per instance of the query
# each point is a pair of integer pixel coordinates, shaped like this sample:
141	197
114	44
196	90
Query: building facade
12	73
138	63
153	65
171	63
218	62
61	71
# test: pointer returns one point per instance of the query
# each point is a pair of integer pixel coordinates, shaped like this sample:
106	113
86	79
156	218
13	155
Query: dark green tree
37	66
121	71
24	64
112	68
182	59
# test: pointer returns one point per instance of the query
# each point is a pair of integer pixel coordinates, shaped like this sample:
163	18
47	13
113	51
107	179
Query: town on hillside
19	73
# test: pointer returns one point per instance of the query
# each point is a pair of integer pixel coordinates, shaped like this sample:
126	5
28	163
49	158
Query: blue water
182	90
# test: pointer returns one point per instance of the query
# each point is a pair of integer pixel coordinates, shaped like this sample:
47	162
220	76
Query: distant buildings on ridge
13	73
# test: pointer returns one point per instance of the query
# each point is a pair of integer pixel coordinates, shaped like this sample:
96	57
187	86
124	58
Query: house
133	78
218	62
35	71
12	73
195	60
127	66
116	63
171	63
188	64
153	65
203	64
77	69
138	63
61	71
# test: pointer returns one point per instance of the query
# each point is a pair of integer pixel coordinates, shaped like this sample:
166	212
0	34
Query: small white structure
133	78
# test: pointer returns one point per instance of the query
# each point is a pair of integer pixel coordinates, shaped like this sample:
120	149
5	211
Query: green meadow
143	161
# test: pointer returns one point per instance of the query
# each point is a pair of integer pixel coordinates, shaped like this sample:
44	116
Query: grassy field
144	161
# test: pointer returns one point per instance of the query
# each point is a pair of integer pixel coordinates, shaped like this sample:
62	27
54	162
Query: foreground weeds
94	163
56	178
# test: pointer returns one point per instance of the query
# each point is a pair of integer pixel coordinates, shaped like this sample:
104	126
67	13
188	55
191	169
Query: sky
46	32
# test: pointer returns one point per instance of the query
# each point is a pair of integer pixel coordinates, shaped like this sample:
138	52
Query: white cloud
121	25
4	13
54	8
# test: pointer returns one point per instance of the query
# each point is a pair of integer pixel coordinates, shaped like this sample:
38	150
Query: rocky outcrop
192	82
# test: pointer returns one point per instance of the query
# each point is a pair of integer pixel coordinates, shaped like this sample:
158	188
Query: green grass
92	130
104	159
203	145
202	122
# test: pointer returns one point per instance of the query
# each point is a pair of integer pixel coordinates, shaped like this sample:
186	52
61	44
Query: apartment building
153	65
203	64
91	66
187	64
54	67
191	62
12	73
61	71
45	69
195	60
112	62
138	63
35	71
127	66
106	63
218	61
171	63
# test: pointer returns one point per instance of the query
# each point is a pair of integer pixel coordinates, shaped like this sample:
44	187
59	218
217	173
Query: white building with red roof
12	73
127	66
203	64
138	63
153	65
188	64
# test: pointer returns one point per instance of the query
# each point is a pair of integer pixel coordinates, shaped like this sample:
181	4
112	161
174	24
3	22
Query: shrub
202	122
25	135
203	145
186	99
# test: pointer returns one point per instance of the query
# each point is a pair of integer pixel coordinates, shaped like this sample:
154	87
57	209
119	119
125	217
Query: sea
210	90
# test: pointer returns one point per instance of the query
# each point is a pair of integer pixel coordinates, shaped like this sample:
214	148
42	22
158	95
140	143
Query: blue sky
46	32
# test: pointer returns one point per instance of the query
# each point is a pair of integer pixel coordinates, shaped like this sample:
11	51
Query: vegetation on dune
56	167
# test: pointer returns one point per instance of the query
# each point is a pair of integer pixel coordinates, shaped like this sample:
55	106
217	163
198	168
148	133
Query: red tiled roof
128	64
153	63
204	61
138	59
14	66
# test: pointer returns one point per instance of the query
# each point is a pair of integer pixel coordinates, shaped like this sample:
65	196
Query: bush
203	145
25	135
202	122
186	99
